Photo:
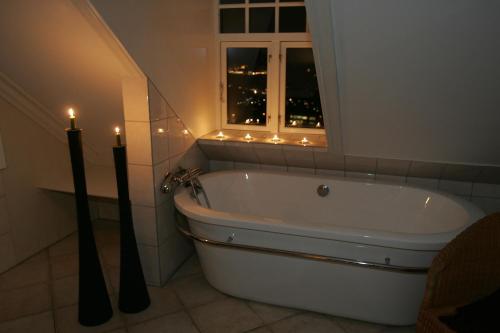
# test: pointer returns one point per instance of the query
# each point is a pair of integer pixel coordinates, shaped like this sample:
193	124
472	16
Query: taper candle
94	306
72	117
118	137
133	295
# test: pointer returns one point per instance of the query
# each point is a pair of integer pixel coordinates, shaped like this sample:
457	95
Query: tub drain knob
230	238
387	261
323	190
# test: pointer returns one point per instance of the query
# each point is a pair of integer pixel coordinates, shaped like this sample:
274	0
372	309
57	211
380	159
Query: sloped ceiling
53	53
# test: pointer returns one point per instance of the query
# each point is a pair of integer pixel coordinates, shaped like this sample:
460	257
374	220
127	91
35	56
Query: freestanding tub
361	251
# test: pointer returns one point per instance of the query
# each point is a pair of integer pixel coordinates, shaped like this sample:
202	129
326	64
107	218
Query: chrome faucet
182	176
187	177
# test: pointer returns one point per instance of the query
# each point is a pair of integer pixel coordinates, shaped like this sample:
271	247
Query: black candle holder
94	306
134	296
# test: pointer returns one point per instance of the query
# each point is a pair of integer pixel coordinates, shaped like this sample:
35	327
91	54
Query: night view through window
246	86
302	102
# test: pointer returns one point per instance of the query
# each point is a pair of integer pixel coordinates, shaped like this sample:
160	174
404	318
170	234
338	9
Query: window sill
286	139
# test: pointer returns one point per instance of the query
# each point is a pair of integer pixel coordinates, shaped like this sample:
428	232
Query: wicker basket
465	270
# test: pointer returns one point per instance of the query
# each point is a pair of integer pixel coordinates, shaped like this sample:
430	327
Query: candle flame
248	137
304	141
275	138
220	135
117	130
71	113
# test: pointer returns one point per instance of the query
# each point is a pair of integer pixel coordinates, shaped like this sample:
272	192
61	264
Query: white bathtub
360	252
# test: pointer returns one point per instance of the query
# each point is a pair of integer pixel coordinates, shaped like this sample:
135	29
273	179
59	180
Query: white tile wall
269	154
145	224
138	142
160	140
297	156
141	185
135	99
456	187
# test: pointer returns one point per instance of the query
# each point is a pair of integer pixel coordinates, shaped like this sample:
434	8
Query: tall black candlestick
134	295
94	306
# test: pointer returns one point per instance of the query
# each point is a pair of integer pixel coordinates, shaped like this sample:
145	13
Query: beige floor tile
32	271
113	275
229	316
67	321
163	301
65	290
107	233
39	323
270	313
306	323
261	330
63	266
190	267
195	290
67	246
24	301
175	323
356	326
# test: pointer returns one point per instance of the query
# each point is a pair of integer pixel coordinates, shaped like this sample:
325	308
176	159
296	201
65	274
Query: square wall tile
465	173
176	136
426	183
145	225
360	164
392	167
306	171
165	220
150	261
135	99
486	190
157	104
360	175
390	179
160	171
221	165
160	140
302	157
489	174
173	252
269	167
425	170
456	187
246	166
138	142
242	152
327	160
215	150
270	154
330	173
141	185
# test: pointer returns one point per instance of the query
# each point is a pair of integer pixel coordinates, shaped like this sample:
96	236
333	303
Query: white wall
418	80
30	219
173	43
55	55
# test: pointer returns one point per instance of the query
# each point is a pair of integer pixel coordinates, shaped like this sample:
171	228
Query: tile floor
40	295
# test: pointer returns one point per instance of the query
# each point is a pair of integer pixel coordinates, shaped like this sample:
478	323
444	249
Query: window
267	75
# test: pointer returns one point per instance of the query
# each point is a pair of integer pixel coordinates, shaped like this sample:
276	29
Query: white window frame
282	87
271	98
275	94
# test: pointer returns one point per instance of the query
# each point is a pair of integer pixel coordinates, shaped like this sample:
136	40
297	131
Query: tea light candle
304	141
275	139
118	137
185	132
220	136
248	137
72	117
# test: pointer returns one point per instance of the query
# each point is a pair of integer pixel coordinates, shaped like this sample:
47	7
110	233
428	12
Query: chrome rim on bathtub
352	262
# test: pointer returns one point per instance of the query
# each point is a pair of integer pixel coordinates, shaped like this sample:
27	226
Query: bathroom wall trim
93	17
321	25
21	100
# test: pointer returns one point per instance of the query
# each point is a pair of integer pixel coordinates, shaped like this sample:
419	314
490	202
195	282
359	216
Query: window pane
293	19
246	86
302	104
232	20
262	19
230	2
